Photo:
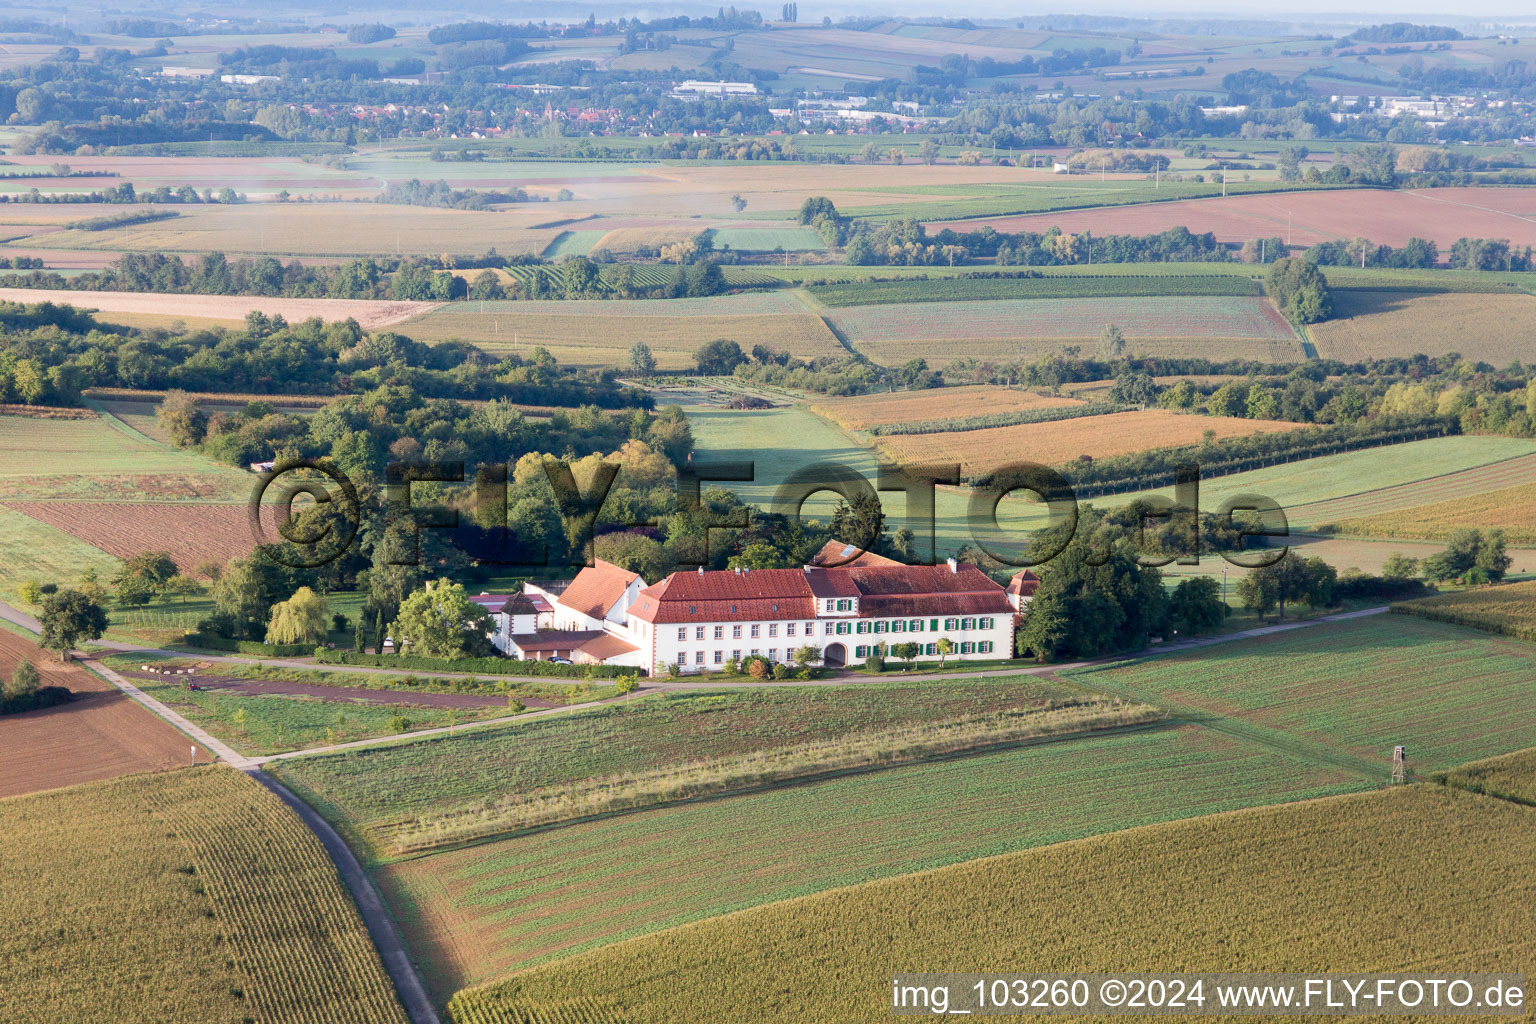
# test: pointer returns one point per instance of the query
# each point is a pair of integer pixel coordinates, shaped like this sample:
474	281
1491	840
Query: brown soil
101	734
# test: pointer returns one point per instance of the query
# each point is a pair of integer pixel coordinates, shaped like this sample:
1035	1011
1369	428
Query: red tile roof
766	594
597	588
836	553
606	646
1024	583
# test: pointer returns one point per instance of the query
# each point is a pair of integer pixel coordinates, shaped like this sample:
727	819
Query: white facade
848	639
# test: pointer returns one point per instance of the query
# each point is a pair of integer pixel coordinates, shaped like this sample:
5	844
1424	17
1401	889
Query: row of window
861	651
966	647
841	628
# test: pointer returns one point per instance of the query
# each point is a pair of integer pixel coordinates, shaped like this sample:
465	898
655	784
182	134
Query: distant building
691	87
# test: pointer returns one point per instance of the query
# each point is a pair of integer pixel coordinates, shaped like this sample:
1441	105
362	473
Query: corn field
191	897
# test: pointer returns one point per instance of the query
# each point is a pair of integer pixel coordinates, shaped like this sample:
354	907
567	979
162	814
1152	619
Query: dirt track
99	735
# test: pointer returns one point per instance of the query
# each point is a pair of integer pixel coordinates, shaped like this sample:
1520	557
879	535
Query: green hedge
477	666
224	643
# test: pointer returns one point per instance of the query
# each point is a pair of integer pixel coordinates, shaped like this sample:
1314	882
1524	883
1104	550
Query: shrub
399	724
874	664
782	671
758	668
628	683
516	706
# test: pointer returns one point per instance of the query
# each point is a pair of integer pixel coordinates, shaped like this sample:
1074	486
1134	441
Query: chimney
953	565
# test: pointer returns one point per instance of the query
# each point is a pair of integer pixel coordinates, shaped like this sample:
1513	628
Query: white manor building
701	620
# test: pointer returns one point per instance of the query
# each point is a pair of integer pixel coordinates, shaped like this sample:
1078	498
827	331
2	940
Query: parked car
561	661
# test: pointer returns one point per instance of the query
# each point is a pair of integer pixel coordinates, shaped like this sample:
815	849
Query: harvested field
1308	217
196	897
598	333
1509	609
1081	319
369	313
324	229
191	533
101	734
1238	892
1494	328
1055	444
1215	328
1436	503
1509	509
865	411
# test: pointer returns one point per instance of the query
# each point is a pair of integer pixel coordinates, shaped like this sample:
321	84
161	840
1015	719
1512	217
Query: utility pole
1223	181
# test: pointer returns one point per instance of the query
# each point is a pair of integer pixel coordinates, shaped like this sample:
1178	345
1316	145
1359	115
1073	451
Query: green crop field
1239	892
193	897
32	448
477	913
572	243
359	791
31	550
1056	286
1352	689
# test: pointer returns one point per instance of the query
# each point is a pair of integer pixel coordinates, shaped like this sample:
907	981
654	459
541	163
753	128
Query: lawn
477	913
1352	690
1239	892
190	897
358	788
